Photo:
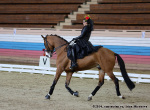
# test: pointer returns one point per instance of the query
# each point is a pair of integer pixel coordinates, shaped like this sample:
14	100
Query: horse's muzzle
48	54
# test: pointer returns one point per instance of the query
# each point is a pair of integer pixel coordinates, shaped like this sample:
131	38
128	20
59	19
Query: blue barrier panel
126	50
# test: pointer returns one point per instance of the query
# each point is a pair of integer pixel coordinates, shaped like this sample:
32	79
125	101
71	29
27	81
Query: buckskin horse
103	59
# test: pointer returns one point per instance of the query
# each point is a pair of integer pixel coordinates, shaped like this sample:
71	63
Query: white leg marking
90	95
120	96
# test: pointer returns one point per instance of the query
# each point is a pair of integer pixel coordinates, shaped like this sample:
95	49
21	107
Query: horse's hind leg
100	83
115	80
68	78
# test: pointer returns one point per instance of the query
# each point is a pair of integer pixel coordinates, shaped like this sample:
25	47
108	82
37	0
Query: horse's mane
58	37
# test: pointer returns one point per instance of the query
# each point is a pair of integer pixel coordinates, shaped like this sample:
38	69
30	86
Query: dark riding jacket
83	47
85	33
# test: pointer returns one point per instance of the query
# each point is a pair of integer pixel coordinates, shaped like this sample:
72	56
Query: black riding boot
73	61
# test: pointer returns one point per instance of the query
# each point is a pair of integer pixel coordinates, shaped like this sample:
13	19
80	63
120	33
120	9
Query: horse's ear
42	36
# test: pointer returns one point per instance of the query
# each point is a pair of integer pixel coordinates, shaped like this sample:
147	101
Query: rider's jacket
85	33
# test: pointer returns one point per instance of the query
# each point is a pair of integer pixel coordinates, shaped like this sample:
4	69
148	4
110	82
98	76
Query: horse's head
49	47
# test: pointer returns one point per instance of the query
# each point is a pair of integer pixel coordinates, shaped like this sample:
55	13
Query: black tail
127	80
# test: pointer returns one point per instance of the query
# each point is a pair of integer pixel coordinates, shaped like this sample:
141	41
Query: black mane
58	37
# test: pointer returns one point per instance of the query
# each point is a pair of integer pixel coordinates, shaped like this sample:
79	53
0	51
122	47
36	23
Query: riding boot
73	61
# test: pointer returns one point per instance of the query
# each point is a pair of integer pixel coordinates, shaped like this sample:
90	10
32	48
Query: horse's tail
127	80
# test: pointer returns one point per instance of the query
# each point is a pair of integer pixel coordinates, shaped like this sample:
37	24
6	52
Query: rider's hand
74	39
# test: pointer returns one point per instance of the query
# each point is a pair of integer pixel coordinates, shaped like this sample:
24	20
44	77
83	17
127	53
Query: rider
82	47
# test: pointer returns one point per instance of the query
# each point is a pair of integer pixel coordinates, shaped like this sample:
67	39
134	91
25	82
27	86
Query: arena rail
138	78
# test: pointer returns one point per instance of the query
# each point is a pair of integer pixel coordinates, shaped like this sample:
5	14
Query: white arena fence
138	78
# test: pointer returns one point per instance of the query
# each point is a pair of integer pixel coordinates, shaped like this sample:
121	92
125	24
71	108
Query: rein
61	46
52	51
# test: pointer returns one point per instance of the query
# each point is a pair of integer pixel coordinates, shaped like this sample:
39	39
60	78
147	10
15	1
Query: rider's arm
84	31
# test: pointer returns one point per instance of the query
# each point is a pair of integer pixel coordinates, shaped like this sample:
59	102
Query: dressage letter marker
44	61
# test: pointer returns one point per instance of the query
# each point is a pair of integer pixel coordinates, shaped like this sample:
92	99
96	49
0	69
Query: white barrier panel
138	78
123	41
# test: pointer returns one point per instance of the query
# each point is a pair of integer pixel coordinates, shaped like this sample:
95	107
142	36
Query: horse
104	59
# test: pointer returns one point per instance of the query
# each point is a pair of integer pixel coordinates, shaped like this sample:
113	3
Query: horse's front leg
58	73
68	78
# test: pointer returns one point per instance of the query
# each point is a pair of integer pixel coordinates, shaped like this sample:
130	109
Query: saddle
80	53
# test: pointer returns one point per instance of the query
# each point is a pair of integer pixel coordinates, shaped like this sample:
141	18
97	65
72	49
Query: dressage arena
27	92
122	26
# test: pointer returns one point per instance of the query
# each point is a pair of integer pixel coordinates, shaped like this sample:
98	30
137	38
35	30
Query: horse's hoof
89	98
76	94
47	96
122	97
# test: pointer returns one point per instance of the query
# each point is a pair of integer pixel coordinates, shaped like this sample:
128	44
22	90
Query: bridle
48	50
